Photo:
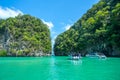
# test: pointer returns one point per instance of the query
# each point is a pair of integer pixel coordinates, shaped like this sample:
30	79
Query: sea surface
59	68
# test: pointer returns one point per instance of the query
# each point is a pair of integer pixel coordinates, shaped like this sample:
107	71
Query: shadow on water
75	62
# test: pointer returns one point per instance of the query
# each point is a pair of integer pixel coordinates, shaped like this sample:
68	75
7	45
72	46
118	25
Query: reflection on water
52	61
76	62
53	71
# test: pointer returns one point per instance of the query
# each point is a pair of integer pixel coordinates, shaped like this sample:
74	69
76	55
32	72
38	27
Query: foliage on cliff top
26	34
98	30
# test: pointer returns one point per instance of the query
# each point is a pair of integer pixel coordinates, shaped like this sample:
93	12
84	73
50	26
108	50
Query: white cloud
7	12
68	26
49	24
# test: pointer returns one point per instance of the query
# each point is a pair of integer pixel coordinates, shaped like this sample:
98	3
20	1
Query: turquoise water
58	68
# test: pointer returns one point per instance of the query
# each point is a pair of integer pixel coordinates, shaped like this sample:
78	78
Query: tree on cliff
98	30
25	35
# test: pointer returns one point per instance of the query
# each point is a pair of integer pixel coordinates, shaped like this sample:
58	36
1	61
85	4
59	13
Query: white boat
75	57
95	55
92	55
102	57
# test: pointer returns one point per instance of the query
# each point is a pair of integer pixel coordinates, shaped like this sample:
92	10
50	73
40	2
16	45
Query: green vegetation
97	31
25	35
3	52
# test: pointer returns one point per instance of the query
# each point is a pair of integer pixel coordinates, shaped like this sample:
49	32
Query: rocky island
24	35
97	31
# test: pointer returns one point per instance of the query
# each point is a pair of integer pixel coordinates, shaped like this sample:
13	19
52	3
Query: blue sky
58	14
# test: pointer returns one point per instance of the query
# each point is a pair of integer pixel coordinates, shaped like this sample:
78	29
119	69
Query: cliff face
24	36
98	30
1	41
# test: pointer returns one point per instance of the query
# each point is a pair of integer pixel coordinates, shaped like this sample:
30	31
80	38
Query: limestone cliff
24	36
